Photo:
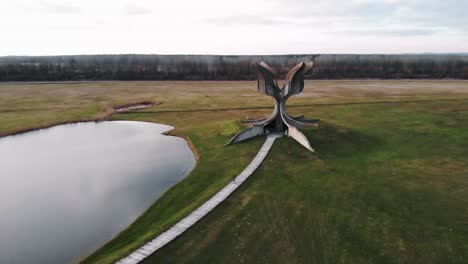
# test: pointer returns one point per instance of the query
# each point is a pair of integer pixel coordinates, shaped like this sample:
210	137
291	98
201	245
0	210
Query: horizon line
240	55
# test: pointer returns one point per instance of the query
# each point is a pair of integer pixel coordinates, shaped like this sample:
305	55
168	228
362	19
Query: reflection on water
66	190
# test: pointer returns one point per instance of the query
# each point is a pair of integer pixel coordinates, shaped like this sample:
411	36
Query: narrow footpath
179	228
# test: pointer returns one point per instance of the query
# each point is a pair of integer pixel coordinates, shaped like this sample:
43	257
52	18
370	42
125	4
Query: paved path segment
177	229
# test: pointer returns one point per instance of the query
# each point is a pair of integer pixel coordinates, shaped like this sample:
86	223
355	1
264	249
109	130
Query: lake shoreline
102	116
197	160
162	132
107	116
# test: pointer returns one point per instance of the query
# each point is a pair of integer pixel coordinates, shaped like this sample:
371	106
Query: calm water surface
66	190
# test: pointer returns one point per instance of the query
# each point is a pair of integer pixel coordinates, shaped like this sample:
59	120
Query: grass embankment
387	185
218	165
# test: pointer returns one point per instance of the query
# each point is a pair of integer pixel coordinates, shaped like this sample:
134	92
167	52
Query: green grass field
388	183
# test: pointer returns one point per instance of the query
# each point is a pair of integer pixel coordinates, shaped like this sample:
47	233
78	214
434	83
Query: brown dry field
24	104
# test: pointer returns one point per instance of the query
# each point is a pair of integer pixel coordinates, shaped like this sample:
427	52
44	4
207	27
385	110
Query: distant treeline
213	67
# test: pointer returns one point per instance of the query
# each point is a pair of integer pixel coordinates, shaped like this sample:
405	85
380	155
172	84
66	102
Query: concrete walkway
179	228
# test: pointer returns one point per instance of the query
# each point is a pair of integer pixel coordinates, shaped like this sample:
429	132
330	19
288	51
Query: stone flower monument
279	121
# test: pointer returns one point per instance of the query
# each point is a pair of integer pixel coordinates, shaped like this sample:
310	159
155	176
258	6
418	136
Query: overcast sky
57	27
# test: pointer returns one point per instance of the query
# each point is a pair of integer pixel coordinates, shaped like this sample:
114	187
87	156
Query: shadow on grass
330	140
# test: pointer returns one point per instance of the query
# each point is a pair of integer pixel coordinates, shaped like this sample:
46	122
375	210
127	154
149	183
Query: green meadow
388	183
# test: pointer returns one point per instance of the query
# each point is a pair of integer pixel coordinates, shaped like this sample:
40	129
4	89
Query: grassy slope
388	183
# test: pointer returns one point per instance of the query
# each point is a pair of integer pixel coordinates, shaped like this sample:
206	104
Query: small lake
66	190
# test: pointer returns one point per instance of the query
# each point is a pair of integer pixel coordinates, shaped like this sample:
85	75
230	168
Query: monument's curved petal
267	83
248	133
294	83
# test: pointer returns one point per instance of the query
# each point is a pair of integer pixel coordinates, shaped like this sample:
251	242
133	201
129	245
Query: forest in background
220	67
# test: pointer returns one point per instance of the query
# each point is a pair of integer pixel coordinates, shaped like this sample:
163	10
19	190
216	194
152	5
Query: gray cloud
136	10
248	20
397	32
278	26
395	18
412	13
59	8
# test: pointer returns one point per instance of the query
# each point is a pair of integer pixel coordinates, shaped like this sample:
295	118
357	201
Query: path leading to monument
179	228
